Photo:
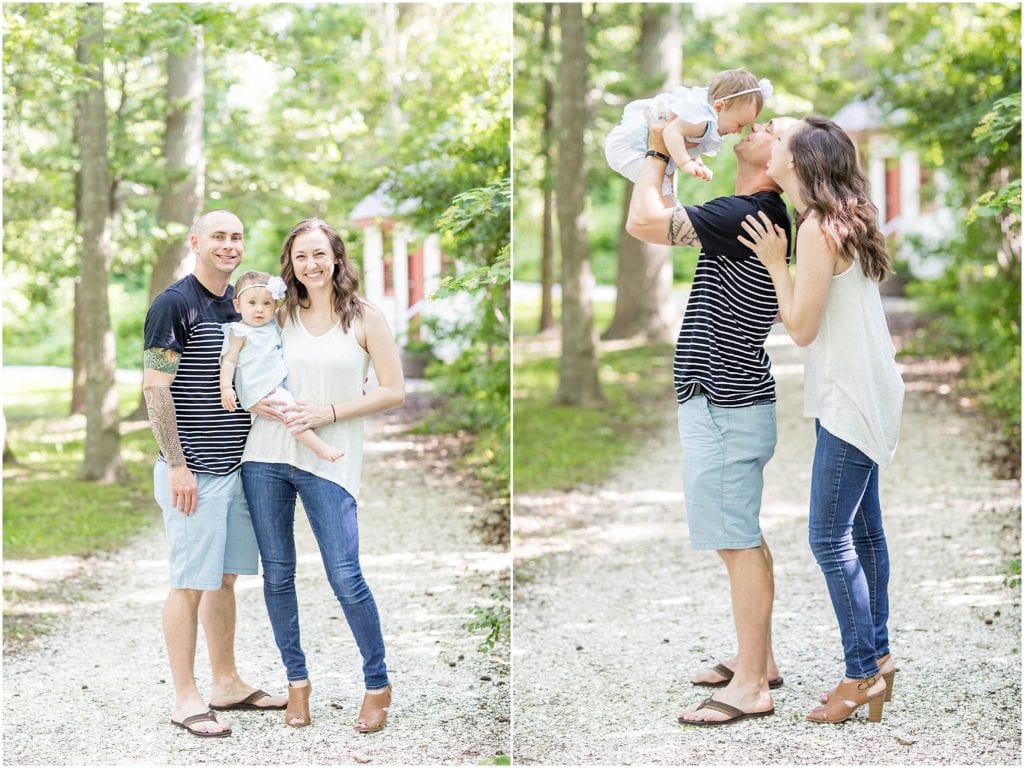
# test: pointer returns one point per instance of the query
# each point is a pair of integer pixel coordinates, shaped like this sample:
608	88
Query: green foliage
562	447
497	760
309	108
965	82
1011	572
975	312
495	619
476	225
47	511
950	73
812	53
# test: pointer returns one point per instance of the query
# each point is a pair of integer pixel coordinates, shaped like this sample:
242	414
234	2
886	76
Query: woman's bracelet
657	154
334	412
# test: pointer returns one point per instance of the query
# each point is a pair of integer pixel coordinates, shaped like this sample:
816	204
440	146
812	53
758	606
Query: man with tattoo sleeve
726	398
196	478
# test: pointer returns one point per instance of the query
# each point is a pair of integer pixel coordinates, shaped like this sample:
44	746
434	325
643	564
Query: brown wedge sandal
848	697
374	712
298	705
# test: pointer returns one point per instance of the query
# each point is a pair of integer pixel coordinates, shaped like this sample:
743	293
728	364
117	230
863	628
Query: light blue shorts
724	453
215	539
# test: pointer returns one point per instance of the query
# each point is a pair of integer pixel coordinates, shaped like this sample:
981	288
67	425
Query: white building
909	196
401	267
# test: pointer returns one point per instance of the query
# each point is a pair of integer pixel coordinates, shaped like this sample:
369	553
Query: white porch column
910	188
373	263
876	178
400	278
431	264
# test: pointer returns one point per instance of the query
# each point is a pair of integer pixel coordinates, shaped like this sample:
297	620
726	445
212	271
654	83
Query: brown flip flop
735	715
205	717
727	673
249	702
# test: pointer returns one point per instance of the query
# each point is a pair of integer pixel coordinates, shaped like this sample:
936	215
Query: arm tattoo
163	360
164	423
680	230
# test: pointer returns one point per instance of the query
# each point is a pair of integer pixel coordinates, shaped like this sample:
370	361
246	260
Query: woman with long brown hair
852	389
330	336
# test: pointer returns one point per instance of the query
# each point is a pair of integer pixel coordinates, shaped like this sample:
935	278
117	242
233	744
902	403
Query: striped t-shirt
188	318
732	306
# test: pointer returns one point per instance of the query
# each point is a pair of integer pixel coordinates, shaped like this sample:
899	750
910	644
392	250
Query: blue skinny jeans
271	490
848	542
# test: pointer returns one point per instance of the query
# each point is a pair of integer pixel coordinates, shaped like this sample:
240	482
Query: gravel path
96	689
613	610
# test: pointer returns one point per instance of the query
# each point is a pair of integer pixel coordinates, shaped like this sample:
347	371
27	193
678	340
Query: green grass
559	447
526	315
47	510
497	760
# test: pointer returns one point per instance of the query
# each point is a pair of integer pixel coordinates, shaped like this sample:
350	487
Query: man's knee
228	580
180	596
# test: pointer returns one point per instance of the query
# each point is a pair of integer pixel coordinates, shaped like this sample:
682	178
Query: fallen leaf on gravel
906	742
361	758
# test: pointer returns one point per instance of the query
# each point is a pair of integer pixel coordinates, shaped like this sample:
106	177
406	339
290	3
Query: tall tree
102	459
547	258
578	383
181	198
643	301
181	194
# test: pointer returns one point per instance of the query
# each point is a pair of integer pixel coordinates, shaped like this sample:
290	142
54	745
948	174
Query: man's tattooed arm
162	360
160	404
680	229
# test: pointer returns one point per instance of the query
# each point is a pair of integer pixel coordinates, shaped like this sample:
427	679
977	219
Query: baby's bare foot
328	453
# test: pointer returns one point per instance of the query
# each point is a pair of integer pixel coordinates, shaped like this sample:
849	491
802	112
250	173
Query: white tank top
325	369
851	382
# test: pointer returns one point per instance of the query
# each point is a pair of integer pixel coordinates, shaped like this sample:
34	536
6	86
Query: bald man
196	478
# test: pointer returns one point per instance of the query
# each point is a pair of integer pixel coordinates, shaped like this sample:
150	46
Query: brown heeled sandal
374	712
886	668
848	697
298	705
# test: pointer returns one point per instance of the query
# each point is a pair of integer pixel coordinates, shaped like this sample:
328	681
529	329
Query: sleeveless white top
851	382
325	369
260	367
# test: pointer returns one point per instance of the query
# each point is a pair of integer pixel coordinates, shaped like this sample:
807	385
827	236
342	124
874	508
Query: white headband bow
275	285
764	85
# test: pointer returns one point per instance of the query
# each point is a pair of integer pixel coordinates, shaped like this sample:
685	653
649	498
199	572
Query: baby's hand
228	399
697	169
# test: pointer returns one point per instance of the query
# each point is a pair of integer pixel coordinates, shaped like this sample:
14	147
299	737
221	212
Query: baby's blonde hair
732	81
250	277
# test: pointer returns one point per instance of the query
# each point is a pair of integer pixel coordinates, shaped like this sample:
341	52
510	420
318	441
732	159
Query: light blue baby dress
260	367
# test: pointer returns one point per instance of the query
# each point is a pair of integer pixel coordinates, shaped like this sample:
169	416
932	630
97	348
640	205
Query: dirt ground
613	610
95	689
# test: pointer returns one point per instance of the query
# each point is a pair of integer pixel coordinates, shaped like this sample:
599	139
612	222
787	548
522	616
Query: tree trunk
577	374
9	457
644	307
547	260
78	322
181	198
78	352
102	426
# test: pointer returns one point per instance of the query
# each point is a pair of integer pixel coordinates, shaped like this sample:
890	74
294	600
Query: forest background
945	79
123	121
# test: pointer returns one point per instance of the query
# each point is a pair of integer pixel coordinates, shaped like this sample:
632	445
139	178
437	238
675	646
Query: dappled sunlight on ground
614	610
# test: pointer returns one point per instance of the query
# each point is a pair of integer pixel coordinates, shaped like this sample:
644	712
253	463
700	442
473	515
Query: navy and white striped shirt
731	307
187	318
